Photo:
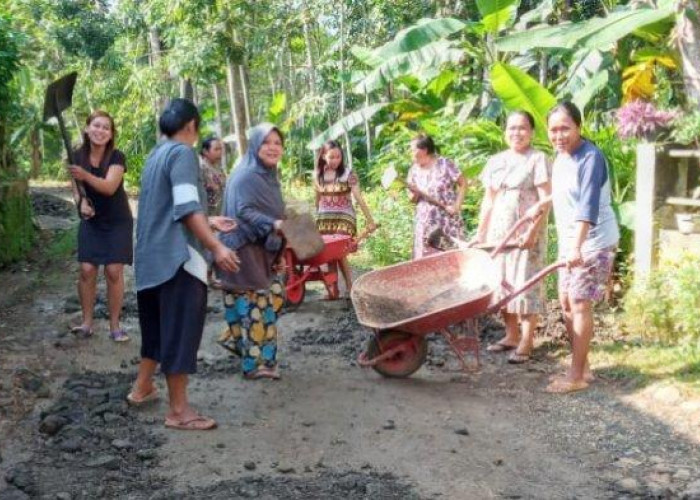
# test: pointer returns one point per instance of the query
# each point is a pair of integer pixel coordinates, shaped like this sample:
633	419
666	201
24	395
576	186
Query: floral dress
336	214
439	182
516	177
214	180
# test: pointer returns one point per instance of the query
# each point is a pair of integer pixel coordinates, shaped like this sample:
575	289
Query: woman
437	188
213	174
105	231
515	180
214	180
587	234
336	185
252	297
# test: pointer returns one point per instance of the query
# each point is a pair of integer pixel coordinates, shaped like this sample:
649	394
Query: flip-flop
133	401
500	347
82	331
262	373
565	387
518	359
196	423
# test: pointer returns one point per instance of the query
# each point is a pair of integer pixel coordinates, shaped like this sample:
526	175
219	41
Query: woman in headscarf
252	297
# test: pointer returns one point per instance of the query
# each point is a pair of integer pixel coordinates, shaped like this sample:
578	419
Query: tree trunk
368	132
186	89
309	54
689	45
544	63
245	90
233	76
220	125
35	155
346	136
154	57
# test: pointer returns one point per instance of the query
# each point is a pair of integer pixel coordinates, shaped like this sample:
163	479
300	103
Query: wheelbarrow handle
526	286
364	235
520	223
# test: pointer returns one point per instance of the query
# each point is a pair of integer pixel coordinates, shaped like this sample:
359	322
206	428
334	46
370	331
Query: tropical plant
641	120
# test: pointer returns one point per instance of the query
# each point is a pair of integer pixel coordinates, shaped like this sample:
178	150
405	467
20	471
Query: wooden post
644	215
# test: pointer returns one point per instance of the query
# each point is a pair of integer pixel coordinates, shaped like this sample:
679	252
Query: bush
666	307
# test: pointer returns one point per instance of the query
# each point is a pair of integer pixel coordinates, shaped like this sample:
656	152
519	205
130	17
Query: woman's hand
528	240
452	209
222	224
226	258
86	209
78	173
371	227
574	259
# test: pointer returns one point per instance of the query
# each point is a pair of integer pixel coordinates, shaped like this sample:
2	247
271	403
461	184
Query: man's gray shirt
170	190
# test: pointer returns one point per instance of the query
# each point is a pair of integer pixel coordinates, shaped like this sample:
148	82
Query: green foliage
497	14
16	229
518	90
686	129
393	241
666	307
346	124
594	33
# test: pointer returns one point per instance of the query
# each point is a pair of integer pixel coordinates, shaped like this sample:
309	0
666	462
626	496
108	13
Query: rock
71	445
250	465
146	454
106	461
63	496
682	475
14	494
498	462
122	444
627	462
285	469
462	431
51	424
628	485
389	425
21	478
692	491
656	490
221	446
308	423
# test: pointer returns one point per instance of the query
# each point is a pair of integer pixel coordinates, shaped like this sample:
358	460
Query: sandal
196	423
270	373
119	336
500	347
134	401
565	386
82	331
518	359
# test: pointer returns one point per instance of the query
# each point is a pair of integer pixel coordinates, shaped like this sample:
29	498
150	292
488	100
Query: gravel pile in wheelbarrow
392	310
89	445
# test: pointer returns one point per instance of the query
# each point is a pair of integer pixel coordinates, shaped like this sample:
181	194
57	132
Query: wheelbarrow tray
428	294
335	247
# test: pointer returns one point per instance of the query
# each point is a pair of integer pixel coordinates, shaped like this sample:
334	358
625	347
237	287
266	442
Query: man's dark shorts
172	317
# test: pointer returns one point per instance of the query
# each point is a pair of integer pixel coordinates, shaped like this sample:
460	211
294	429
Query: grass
647	363
62	245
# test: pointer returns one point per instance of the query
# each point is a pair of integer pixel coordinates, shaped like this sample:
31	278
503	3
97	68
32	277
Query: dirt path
328	429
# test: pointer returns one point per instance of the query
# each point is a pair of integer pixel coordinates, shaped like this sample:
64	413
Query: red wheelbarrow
443	293
322	267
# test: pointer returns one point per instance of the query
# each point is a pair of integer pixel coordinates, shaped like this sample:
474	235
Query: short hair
424	141
570	109
178	113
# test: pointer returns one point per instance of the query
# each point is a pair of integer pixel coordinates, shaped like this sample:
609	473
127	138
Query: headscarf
253	196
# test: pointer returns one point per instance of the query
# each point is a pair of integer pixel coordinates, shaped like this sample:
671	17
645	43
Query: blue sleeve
592	175
184	179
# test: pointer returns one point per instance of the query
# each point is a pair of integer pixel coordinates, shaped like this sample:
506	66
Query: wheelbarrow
444	293
321	267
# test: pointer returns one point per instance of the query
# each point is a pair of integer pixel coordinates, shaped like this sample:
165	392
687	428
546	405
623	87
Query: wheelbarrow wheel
295	295
405	362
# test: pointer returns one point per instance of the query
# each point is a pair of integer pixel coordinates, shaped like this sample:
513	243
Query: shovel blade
59	95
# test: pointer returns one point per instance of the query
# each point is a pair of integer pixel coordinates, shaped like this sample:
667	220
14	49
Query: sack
302	236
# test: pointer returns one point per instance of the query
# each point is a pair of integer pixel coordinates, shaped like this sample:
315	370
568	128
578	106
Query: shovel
302	236
390	175
59	97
